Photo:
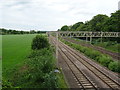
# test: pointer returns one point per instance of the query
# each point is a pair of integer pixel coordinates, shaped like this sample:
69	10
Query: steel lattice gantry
84	34
88	34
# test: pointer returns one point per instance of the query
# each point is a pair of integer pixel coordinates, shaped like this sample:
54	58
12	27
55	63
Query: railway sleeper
88	87
87	84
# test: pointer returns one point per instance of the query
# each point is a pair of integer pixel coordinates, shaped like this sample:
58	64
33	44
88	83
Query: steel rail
90	84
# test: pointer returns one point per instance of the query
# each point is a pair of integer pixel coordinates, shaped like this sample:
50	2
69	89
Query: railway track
74	61
82	80
114	55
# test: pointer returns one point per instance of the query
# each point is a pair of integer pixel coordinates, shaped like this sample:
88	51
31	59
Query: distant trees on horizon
4	31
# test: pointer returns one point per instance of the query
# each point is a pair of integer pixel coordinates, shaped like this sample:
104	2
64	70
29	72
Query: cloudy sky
50	15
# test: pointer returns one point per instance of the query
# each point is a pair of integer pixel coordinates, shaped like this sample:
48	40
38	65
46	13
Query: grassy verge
109	45
97	56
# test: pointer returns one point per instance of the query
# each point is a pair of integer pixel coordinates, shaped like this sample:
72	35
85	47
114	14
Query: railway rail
82	80
85	71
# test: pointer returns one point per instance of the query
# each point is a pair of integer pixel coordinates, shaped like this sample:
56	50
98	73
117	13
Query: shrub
105	60
40	71
6	83
40	42
114	66
50	81
93	54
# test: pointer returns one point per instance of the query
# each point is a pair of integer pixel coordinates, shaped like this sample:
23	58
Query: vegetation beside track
108	45
97	56
37	71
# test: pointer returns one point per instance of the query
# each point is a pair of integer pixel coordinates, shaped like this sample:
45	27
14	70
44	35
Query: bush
105	60
40	42
93	54
40	71
114	66
6	83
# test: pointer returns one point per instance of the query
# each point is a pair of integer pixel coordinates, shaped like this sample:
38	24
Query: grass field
15	49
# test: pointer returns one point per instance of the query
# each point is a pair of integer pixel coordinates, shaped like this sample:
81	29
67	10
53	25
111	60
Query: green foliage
6	31
99	22
114	66
40	42
95	55
39	71
65	28
51	77
76	25
105	60
6	83
109	45
113	24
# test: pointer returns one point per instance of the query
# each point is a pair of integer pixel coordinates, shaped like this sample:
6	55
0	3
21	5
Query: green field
15	49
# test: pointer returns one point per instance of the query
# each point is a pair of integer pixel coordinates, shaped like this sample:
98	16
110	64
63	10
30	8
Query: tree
98	22
32	32
40	42
65	28
76	25
113	24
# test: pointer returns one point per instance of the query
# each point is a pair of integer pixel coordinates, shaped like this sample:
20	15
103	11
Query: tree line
4	31
99	22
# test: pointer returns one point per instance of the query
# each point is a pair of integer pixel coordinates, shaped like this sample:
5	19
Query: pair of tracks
78	65
114	55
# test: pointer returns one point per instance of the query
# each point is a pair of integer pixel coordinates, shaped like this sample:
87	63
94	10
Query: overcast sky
50	15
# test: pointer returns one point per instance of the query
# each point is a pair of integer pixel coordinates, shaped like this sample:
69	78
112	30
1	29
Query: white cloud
51	14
